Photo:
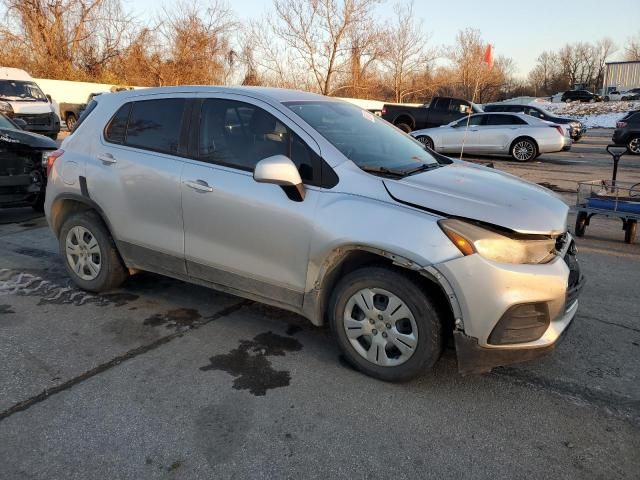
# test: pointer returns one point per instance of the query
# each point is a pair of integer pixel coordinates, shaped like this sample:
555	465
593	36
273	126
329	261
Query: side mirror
19	122
280	170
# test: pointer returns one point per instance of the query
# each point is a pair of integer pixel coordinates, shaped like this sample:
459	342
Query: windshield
5	123
18	90
364	138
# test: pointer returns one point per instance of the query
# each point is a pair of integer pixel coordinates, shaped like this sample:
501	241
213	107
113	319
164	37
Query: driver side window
474	121
239	135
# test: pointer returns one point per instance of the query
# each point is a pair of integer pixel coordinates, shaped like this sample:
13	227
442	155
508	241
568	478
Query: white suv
319	207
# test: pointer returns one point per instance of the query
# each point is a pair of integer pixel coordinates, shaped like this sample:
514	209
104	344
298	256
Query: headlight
470	239
5	107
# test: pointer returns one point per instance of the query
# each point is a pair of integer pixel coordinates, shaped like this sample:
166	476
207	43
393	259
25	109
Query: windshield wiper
384	171
422	168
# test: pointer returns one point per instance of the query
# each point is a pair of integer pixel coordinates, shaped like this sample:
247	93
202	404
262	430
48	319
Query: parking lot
163	379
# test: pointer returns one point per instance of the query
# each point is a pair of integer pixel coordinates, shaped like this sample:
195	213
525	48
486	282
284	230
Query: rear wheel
385	324
630	231
404	127
71	121
426	141
581	223
634	145
524	149
90	254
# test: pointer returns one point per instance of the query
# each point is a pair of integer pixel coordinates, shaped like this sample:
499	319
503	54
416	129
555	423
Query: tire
634	146
70	120
631	231
426	141
78	230
606	99
581	224
404	127
38	205
523	149
421	327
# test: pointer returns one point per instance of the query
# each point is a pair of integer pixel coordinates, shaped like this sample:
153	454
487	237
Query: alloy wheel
523	150
426	141
380	327
83	253
634	146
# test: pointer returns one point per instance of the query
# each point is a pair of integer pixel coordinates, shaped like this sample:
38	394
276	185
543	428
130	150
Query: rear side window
155	124
117	127
441	105
505	120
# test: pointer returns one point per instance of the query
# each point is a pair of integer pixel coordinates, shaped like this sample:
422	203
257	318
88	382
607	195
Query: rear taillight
51	159
384	111
621	124
559	129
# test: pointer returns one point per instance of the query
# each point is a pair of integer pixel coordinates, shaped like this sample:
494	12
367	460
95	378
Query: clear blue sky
518	29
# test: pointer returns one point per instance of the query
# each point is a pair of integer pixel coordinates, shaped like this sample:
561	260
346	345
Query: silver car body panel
494	139
250	239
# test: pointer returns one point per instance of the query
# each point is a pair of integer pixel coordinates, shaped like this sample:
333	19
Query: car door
463	132
246	236
496	132
135	177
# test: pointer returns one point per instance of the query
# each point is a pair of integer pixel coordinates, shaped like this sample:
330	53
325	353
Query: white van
20	97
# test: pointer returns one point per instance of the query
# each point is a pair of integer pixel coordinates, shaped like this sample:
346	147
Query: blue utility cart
612	199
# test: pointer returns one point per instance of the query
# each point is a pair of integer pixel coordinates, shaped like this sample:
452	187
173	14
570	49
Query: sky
517	29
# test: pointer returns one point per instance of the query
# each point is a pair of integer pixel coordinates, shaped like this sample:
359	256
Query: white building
621	76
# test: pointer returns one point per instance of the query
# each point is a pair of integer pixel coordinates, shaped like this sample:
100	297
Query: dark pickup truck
439	111
70	112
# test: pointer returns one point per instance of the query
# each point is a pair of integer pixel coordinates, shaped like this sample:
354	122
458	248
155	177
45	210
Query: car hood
28	139
479	193
30	107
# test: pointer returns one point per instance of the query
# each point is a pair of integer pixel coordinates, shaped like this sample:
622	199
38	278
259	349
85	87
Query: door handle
199	185
106	158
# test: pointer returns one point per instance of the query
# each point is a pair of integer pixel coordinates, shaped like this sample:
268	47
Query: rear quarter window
117	126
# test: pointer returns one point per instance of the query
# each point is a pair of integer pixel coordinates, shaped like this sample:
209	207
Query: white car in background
521	136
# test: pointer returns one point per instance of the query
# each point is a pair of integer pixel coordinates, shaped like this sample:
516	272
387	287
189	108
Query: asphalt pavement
163	379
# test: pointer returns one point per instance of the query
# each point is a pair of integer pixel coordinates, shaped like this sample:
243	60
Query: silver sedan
516	134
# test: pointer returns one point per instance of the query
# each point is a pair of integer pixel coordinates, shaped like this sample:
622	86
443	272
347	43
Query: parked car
626	95
20	97
627	132
23	158
521	136
576	128
316	206
584	96
70	112
439	111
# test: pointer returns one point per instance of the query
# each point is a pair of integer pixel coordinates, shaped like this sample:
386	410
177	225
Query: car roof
279	95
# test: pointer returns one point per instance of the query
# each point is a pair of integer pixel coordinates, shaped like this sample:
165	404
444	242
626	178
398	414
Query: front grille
39	119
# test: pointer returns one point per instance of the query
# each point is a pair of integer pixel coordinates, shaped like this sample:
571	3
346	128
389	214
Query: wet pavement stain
36	252
293	329
178	318
250	365
4	309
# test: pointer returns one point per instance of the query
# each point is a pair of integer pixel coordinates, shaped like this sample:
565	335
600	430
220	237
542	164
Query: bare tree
406	53
632	49
316	33
66	38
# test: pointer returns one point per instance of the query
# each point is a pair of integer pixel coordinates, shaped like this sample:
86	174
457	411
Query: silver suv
316	206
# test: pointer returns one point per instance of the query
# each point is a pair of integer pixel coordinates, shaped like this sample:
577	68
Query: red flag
488	56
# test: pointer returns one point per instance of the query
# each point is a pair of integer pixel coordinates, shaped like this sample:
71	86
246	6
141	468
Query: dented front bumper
485	292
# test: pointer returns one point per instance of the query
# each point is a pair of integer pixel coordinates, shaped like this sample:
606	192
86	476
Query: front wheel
524	150
385	325
426	141
89	253
634	145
